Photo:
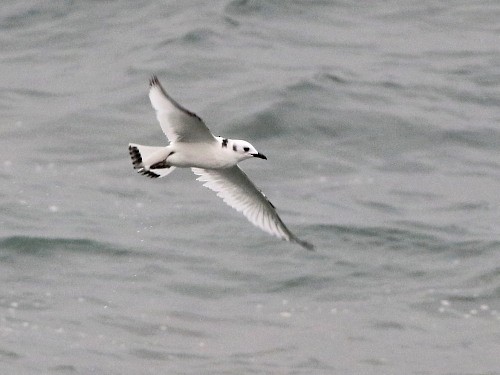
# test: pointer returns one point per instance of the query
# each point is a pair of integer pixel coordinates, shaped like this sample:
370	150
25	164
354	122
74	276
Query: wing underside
178	123
239	192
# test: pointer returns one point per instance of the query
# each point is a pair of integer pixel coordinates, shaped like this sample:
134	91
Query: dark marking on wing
267	199
148	173
136	156
160	165
155	82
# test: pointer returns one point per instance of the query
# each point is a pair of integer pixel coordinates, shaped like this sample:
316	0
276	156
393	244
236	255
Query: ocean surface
381	124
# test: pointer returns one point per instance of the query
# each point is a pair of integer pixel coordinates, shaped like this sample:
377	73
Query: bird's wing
177	123
239	192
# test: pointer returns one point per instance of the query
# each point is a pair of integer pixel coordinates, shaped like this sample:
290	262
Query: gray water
380	122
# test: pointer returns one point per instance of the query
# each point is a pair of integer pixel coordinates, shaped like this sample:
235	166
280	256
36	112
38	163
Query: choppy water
381	123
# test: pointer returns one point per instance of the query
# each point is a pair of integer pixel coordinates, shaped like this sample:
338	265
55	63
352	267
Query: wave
410	236
34	245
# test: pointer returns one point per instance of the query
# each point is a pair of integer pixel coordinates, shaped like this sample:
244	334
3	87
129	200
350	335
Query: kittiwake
213	159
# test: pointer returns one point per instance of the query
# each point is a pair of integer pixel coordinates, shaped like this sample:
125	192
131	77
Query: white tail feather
150	160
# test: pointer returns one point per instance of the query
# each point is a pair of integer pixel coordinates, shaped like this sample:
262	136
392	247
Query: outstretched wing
239	192
177	123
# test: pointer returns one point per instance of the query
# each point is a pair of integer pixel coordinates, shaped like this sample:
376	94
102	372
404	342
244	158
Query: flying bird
214	159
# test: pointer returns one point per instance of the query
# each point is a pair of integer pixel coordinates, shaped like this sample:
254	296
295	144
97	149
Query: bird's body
200	154
213	159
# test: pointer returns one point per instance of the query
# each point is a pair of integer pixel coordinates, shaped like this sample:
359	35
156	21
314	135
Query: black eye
246	149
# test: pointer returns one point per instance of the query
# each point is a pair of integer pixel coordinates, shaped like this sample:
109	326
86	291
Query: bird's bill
259	155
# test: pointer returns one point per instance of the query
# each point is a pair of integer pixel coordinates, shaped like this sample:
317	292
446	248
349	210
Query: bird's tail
149	160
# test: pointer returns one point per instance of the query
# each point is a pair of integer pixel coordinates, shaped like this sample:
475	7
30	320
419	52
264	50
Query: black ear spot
246	149
235	148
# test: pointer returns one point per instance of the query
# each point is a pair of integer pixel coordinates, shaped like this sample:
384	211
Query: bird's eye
246	149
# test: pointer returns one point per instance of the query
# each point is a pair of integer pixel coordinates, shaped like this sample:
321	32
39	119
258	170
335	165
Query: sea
380	121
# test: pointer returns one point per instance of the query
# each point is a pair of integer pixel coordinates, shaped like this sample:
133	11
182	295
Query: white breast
201	155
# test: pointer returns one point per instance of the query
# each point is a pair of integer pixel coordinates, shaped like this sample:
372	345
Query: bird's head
238	149
244	150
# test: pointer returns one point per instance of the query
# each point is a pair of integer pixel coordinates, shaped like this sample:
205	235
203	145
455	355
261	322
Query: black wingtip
153	81
306	245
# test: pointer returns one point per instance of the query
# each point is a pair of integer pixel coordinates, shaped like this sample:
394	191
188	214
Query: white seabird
213	159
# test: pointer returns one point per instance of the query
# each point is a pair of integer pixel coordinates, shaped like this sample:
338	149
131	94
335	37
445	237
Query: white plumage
213	159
